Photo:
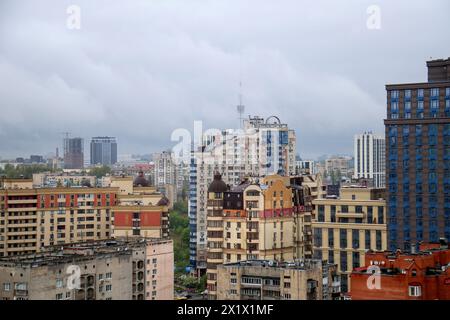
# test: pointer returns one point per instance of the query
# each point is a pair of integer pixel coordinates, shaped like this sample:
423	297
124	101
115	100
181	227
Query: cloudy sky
139	69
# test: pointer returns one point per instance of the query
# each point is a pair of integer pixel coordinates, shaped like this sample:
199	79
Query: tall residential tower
418	159
103	151
370	158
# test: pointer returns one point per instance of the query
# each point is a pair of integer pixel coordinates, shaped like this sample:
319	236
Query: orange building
404	276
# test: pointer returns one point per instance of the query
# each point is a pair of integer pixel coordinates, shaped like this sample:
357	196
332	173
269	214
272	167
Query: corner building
418	159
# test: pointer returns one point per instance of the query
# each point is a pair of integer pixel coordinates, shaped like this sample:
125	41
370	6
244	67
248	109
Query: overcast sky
138	70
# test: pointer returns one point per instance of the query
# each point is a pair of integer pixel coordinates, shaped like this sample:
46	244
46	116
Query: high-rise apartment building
165	169
369	158
262	148
345	228
73	153
267	218
33	218
418	159
103	151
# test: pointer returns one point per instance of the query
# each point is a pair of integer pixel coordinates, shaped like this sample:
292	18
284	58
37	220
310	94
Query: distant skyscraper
103	151
418	159
73	153
165	169
370	158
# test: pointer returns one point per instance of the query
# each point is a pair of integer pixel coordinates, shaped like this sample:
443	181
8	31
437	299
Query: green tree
24	171
179	230
100	171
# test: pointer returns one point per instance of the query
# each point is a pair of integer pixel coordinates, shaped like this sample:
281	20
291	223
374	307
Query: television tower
240	106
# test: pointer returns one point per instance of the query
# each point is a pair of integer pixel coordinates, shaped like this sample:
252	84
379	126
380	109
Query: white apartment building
370	158
164	169
305	167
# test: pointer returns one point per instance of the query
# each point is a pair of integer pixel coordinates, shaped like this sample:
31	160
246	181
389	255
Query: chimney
438	70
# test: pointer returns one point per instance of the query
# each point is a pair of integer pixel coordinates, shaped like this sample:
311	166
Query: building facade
305	167
33	218
269	280
424	275
265	219
345	228
418	159
73	153
103	151
139	269
339	165
369	158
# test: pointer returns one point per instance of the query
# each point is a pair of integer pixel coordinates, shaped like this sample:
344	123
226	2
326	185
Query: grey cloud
140	69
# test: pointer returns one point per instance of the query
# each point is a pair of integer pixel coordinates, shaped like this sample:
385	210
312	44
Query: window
59	283
355	239
367	239
394	94
435	92
407	94
321	213
108	275
343	261
378	239
415	291
7	286
108	288
343	238
330	238
356	258
59	296
420	93
370	214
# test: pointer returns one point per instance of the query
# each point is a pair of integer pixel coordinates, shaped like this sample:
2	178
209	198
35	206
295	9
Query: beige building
268	218
104	270
269	280
345	228
32	218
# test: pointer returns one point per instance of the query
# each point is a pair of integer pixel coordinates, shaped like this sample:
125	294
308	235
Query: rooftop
81	251
296	264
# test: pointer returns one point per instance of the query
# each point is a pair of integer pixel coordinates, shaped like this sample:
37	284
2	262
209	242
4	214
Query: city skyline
88	91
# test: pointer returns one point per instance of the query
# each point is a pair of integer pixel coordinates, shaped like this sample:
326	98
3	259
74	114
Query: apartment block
345	228
267	218
103	151
369	158
418	159
101	270
269	280
33	218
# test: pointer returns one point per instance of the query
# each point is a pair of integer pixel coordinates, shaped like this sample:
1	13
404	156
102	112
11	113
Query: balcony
349	215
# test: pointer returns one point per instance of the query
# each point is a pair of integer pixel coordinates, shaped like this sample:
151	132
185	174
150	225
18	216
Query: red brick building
404	276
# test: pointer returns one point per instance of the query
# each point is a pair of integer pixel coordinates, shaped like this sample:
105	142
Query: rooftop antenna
240	107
